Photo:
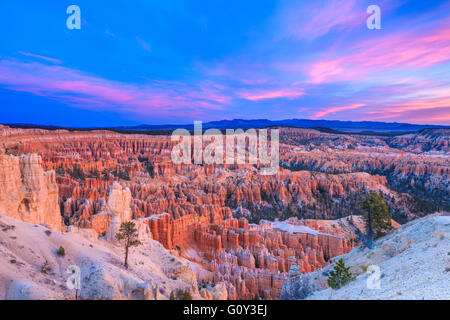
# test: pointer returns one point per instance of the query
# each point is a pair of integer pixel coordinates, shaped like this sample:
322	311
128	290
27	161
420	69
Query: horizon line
131	126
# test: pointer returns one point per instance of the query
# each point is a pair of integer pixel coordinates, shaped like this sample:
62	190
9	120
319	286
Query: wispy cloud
77	88
144	44
334	110
415	105
395	52
434	112
109	33
52	60
309	20
272	94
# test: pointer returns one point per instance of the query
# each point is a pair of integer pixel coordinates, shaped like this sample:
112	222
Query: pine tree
340	275
128	235
378	217
185	295
181	295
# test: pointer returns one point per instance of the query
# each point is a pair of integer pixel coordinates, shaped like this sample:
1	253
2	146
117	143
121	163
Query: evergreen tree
183	295
128	236
340	275
105	175
378	217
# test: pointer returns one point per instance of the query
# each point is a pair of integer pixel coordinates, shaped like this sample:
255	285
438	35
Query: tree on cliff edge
378	218
128	236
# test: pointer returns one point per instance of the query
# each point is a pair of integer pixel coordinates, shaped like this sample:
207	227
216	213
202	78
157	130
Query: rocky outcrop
424	140
153	274
118	207
254	259
218	292
27	193
415	165
408	263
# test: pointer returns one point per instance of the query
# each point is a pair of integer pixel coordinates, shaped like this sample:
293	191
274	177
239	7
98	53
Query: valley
229	225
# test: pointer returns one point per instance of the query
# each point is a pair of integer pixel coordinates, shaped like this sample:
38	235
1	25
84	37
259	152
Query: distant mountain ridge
346	126
331	126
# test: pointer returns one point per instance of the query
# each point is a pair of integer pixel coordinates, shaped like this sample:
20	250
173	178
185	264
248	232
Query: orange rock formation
205	212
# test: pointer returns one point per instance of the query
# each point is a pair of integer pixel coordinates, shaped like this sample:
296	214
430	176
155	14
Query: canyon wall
235	226
27	193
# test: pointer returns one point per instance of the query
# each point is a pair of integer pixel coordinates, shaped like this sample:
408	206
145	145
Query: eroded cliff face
215	216
416	165
27	193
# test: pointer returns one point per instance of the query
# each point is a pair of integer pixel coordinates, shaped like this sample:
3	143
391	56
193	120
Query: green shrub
180	295
184	295
13	261
340	275
45	268
61	251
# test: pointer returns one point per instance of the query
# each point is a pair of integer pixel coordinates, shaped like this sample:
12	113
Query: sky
160	62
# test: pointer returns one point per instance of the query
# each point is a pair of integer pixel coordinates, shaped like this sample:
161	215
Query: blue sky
178	61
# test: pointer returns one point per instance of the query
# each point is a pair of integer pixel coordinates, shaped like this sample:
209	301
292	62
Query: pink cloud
439	115
419	105
401	51
333	110
87	91
263	95
308	20
335	13
323	70
416	110
322	16
438	118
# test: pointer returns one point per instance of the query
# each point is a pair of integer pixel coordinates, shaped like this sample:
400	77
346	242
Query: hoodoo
27	193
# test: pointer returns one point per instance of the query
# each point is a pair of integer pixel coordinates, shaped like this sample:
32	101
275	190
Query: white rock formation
27	192
118	206
218	292
152	274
